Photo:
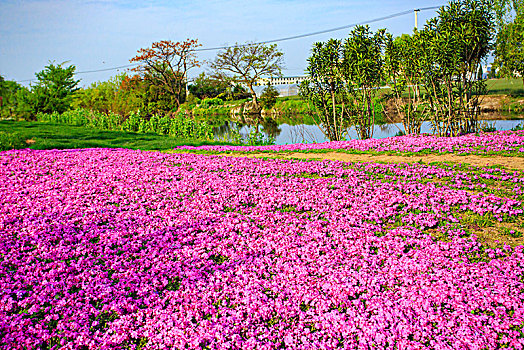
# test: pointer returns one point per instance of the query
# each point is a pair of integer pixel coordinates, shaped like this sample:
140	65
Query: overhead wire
272	41
379	19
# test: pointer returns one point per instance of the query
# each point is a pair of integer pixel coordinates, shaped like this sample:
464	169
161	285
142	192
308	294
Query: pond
304	133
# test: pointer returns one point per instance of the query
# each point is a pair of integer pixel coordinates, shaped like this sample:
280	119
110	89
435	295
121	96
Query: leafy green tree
505	11
26	104
8	101
246	64
454	45
343	81
268	98
99	96
121	95
205	86
509	47
324	88
405	76
53	91
155	99
238	92
363	73
3	91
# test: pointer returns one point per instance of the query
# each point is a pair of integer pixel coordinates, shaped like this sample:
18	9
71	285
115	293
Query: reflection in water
389	129
303	133
266	126
270	127
225	129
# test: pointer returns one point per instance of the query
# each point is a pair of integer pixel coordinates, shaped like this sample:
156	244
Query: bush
184	127
212	111
77	117
288	106
132	123
269	97
208	102
179	125
10	141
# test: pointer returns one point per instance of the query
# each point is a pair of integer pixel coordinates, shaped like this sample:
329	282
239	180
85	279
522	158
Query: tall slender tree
363	73
343	81
8	101
404	73
454	45
324	88
509	47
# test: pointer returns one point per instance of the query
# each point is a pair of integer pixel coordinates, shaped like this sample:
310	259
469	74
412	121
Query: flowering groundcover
499	142
121	249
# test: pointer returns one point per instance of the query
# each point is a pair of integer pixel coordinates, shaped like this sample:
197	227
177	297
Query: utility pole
185	78
416	17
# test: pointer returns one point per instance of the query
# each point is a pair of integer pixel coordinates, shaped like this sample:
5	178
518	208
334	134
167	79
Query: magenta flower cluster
122	249
499	141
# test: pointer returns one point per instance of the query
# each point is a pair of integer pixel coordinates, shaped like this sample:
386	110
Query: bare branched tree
246	64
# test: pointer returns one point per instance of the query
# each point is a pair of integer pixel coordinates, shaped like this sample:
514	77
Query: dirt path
516	163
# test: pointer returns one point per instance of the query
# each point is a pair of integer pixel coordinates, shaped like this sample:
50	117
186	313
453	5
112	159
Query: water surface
303	133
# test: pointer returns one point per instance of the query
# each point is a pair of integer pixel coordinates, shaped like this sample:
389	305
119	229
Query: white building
282	80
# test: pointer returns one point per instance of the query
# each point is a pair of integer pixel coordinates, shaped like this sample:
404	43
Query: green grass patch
11	140
512	87
476	220
63	136
510	232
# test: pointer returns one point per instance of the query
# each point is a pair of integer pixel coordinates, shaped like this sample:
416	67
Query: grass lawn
61	136
512	87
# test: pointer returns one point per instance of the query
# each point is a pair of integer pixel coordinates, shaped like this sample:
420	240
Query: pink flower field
122	249
484	143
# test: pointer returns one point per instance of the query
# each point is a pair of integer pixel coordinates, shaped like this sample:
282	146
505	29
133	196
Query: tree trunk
254	95
337	136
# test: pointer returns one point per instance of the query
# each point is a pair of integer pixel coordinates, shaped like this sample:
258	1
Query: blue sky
102	34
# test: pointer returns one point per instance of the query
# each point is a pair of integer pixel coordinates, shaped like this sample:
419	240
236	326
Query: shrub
208	102
179	125
518	127
132	123
269	97
184	127
10	141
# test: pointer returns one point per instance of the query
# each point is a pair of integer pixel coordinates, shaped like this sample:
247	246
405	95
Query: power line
300	36
106	69
379	19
